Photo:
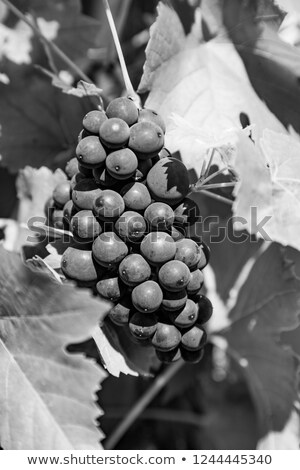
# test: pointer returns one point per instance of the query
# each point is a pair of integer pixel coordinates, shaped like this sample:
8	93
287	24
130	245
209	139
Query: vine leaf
39	127
41	383
204	83
275	196
273	65
258	319
290	6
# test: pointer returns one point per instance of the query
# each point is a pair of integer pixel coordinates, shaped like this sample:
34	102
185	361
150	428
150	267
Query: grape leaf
272	64
206	84
275	197
121	355
42	384
290	6
287	439
260	315
40	126
61	21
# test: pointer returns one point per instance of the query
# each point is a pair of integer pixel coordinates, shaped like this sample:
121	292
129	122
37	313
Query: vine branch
159	383
49	44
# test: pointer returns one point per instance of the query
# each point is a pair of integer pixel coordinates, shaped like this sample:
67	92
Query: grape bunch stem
159	383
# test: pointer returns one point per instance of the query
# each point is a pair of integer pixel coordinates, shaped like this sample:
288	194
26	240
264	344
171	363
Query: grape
136	196
110	287
71	168
119	314
188	252
114	133
78	264
121	164
146	139
69	211
62	194
177	233
173	301
196	282
147	297
174	276
108	205
131	226
159	215
93	120
185	317
168	181
150	115
205	309
87	172
134	270
142	326
205	256
76	179
90	152
192	356
109	249
49	208
142	169
187	213
169	356
57	218
194	338
166	337
158	248
84	194
123	108
84	225
103	178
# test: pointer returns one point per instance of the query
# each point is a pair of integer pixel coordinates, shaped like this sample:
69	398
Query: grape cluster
126	203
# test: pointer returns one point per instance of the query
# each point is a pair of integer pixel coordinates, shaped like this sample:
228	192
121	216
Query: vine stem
159	383
53	47
128	85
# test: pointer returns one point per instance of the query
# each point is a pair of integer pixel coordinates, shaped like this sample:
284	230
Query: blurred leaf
273	65
287	439
260	315
38	319
39	124
276	193
61	21
289	6
205	84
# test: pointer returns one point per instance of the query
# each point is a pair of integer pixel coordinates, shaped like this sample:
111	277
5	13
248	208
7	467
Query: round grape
196	282
108	205
93	120
142	326
121	164
123	108
84	225
134	270
194	338
136	196
62	193
152	116
114	133
168	181
159	215
174	276
205	309
119	314
147	297
71	168
110	287
158	248
146	139
90	152
186	317
78	264
131	226
166	337
173	301
84	194
109	249
188	252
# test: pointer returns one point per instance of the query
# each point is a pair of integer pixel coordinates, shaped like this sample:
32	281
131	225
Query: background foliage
220	66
